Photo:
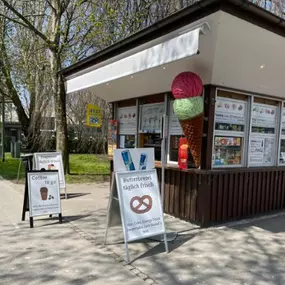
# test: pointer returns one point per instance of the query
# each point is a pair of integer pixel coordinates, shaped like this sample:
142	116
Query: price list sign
44	193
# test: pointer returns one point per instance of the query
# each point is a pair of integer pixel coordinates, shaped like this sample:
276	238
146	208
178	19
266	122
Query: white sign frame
156	204
116	194
55	179
61	175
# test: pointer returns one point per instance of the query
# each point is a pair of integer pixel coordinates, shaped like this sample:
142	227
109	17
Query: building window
127	118
150	127
282	138
231	123
263	136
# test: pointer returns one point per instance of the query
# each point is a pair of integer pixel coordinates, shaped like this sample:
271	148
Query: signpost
135	197
51	161
93	116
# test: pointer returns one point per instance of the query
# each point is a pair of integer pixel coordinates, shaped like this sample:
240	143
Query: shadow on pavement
73	195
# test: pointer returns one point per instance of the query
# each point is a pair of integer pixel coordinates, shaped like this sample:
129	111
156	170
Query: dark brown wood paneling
261	189
127	103
245	194
258	193
182	195
207	197
220	197
171	192
240	194
282	191
231	195
167	189
279	194
177	194
236	194
271	192
194	193
188	196
225	198
214	197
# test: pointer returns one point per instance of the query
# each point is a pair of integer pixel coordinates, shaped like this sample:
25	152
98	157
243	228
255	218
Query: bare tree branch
26	23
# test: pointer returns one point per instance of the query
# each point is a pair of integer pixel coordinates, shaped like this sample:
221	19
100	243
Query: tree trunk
60	109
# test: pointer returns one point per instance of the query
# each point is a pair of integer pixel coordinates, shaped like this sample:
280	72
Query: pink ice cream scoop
187	85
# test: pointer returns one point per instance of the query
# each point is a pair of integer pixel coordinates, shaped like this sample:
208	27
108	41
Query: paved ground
252	252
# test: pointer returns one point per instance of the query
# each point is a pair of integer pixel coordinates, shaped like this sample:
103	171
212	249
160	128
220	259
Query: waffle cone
193	131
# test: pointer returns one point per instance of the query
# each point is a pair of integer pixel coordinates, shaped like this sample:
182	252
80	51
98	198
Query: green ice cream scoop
189	107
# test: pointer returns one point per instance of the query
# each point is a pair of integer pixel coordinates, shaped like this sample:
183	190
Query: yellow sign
94	116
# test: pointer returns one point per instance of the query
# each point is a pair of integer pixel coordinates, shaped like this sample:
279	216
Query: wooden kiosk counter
230	46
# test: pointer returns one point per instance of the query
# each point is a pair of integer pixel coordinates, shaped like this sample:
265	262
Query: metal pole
3	128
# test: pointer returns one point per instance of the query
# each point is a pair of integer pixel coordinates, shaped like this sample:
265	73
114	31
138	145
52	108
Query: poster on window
264	116
127	118
174	125
151	115
256	151
261	151
230	111
283	122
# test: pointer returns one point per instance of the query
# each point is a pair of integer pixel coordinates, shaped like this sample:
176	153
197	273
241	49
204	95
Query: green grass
84	168
88	168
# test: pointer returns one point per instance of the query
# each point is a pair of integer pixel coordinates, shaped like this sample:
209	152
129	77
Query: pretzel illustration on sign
144	204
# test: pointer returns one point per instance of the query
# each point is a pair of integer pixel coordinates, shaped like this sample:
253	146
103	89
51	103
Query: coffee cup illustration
44	193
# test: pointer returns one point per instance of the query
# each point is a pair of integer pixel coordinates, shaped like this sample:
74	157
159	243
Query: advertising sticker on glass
263	118
230	115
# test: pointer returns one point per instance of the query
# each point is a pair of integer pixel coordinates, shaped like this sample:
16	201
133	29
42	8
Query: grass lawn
84	168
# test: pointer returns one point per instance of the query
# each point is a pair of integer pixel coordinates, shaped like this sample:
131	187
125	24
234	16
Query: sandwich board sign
51	161
43	194
135	194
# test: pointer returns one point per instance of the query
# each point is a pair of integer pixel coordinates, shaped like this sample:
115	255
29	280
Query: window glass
127	118
264	119
230	115
127	141
227	151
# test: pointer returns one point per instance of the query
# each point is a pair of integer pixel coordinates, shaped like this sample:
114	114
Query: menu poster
261	151
151	115
229	111
175	127
269	148
264	116
283	122
127	118
256	151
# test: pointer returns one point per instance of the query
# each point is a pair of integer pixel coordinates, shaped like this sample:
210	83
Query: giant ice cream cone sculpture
187	89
